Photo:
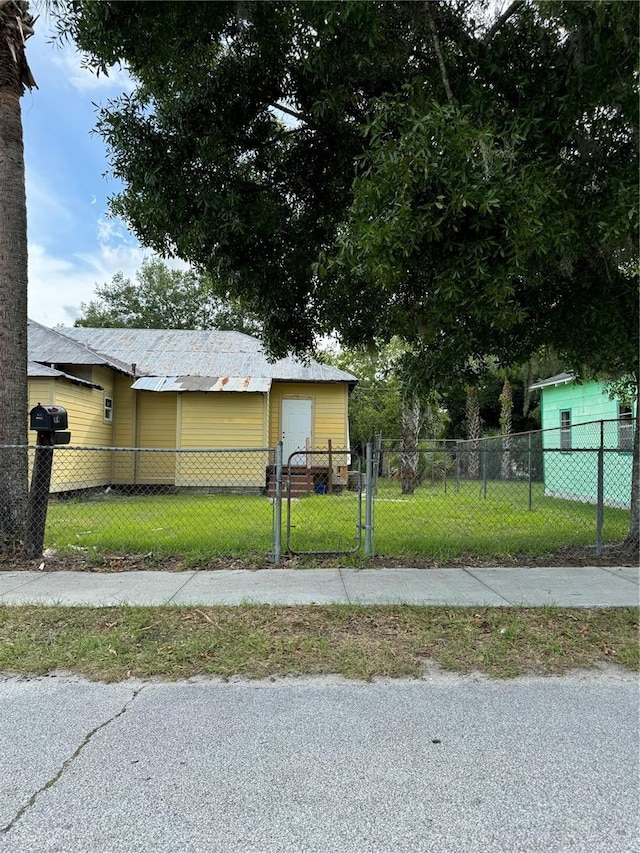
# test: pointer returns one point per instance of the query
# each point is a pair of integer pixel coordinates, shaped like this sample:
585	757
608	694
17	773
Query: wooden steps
304	481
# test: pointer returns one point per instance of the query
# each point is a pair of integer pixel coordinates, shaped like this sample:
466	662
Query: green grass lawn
195	527
431	523
447	524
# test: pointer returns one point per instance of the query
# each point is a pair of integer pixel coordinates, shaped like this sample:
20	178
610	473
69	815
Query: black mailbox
48	418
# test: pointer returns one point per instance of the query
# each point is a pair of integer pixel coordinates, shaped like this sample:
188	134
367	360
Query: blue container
320	489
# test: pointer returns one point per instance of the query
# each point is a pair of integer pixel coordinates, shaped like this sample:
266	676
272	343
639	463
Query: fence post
377	461
368	502
277	533
445	465
600	496
530	476
484	470
457	465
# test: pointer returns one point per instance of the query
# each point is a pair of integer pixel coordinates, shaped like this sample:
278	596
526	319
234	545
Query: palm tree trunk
506	425
14	75
411	423
474	428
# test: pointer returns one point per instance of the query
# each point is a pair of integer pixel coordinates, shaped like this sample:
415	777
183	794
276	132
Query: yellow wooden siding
40	391
105	377
222	420
124	429
329	411
124	406
156	428
73	469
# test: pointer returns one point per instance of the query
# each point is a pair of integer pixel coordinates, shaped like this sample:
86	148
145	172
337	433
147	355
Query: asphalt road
444	764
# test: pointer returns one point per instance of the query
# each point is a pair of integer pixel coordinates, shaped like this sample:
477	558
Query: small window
108	409
565	430
625	427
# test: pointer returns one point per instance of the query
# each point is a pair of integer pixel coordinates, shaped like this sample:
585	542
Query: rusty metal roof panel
173	353
202	383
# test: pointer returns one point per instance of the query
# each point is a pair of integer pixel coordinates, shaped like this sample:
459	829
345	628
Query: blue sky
73	244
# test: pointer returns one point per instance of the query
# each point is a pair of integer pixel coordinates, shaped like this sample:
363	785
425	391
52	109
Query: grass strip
258	641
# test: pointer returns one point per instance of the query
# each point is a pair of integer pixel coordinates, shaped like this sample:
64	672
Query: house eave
553	381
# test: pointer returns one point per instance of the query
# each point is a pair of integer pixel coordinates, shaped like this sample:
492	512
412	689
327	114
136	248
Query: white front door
296	428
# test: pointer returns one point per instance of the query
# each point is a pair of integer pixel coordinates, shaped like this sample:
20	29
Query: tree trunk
411	422
14	73
473	433
527	372
506	425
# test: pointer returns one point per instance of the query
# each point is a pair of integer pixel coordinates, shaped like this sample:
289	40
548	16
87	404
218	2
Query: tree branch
493	29
289	112
436	46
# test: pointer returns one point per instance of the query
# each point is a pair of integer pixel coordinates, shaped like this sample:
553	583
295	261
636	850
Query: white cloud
46	210
85	78
58	285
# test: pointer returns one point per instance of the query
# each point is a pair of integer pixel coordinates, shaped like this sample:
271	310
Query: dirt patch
612	555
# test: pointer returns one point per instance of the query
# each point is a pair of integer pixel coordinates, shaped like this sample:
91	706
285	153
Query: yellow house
184	390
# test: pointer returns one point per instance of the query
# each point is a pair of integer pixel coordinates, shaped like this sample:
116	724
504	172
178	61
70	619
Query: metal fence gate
324	491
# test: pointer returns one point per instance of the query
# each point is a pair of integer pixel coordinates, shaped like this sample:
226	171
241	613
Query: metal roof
201	383
559	379
181	353
41	371
55	346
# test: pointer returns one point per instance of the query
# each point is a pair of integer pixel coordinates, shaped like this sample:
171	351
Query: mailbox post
49	422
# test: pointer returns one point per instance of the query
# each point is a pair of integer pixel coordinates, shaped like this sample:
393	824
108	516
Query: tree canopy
463	179
163	298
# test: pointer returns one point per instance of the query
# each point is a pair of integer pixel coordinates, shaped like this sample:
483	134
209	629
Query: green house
577	419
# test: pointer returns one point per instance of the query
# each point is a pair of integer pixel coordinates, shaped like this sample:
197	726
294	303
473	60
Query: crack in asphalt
66	764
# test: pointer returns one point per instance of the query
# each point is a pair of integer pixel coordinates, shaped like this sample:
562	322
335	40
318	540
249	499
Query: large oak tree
462	178
495	163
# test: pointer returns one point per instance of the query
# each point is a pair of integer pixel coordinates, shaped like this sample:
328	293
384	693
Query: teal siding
587	402
573	475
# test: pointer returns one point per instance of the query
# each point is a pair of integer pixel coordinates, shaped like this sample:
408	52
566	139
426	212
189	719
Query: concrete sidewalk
495	587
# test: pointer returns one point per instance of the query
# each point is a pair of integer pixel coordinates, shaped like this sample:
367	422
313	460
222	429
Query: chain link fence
533	492
521	494
199	503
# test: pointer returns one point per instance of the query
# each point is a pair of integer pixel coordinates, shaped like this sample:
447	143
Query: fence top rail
499	451
67	447
394	443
